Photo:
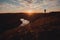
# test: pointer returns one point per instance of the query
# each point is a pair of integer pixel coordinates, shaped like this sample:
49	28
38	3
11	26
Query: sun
29	12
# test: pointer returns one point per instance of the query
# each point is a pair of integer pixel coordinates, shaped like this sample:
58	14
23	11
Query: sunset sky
12	6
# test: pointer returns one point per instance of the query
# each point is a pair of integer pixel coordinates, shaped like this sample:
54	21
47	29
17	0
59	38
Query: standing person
44	10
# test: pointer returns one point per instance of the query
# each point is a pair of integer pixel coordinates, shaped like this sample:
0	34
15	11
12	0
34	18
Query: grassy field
43	26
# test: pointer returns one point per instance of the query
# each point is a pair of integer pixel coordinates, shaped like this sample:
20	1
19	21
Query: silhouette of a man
44	10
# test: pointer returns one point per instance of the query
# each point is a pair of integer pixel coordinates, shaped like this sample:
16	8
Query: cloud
21	5
7	7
